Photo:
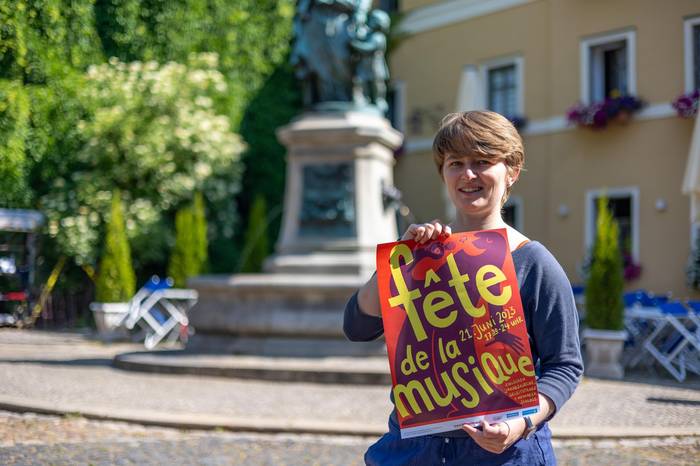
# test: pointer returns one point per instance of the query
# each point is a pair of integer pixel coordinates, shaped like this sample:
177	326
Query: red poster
455	332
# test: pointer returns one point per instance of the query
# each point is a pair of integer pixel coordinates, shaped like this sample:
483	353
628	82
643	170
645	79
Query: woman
479	156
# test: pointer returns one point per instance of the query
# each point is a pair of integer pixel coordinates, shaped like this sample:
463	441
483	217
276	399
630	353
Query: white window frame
399	89
519	212
591	197
689	56
519	63
585	52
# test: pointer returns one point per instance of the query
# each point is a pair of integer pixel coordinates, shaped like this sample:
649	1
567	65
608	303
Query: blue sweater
550	315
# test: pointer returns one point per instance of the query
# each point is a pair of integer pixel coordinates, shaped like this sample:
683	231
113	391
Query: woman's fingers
493	438
424	232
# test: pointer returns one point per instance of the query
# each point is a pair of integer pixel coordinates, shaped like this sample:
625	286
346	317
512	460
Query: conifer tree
256	244
604	288
116	280
693	270
183	261
201	244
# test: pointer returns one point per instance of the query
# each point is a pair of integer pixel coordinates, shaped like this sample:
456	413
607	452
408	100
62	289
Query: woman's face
476	184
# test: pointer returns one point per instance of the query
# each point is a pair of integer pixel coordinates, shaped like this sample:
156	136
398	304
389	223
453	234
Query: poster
455	332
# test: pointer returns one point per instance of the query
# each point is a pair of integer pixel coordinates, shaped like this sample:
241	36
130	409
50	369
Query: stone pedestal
604	353
334	212
334	215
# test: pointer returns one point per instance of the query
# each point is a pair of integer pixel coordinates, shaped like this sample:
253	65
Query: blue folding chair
160	310
675	341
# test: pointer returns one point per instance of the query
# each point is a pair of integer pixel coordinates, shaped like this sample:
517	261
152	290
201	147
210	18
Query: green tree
604	287
50	126
275	104
116	281
155	135
14	127
693	268
199	223
183	261
256	246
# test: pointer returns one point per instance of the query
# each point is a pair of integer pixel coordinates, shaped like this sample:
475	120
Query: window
395	98
502	90
503	86
513	212
389	6
624	205
607	66
692	54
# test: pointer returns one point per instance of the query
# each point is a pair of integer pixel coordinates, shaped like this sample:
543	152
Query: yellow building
536	59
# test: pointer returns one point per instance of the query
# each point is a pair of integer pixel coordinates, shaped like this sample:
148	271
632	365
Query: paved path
65	373
28	439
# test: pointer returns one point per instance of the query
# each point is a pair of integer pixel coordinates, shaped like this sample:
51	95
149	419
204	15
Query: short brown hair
483	133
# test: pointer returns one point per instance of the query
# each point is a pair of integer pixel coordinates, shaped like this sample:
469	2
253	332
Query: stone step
328	370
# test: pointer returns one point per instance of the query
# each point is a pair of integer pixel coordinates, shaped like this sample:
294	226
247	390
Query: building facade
535	60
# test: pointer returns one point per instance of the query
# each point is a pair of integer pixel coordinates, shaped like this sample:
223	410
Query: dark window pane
696	56
391	102
615	70
508	214
621	208
389	5
502	96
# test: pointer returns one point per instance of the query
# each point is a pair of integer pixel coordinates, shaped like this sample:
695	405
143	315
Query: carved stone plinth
334	216
334	212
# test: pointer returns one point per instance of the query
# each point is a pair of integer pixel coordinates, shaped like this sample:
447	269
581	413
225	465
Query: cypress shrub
604	288
199	221
183	261
693	269
256	247
116	281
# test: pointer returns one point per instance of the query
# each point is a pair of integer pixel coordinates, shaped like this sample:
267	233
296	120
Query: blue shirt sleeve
359	326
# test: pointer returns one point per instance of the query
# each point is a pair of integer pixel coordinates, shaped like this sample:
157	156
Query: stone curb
287	426
194	421
279	372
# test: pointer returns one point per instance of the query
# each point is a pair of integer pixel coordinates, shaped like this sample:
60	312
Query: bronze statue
338	53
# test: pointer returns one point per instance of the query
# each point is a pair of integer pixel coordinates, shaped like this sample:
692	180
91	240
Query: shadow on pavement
89	362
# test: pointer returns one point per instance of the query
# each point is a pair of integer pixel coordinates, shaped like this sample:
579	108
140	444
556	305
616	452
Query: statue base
338	165
275	315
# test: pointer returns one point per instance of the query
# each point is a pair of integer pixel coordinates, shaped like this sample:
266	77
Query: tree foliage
250	36
693	268
189	256
256	246
56	110
275	104
199	224
604	288
116	281
154	134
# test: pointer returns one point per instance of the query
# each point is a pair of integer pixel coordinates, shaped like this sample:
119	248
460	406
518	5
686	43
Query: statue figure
334	52
372	71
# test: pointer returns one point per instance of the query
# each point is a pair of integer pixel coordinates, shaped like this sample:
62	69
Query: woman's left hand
496	438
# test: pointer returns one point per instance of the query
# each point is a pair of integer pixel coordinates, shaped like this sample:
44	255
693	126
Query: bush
199	222
190	252
182	262
153	133
116	281
693	269
604	288
256	245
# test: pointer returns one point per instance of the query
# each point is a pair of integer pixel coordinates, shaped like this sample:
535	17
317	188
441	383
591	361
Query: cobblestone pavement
66	370
29	439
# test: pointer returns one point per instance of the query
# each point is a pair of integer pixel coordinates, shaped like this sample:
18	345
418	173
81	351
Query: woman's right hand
424	232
